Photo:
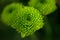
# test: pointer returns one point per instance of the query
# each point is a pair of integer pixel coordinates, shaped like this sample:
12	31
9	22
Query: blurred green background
52	33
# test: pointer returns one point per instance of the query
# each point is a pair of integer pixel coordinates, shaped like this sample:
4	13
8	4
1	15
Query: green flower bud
29	21
10	13
44	6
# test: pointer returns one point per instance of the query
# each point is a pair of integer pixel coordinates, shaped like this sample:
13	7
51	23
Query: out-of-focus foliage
58	3
44	6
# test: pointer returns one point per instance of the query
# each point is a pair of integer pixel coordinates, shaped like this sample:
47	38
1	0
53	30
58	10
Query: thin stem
34	37
48	29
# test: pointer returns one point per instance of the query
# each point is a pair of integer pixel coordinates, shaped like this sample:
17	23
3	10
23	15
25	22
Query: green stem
48	29
34	37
